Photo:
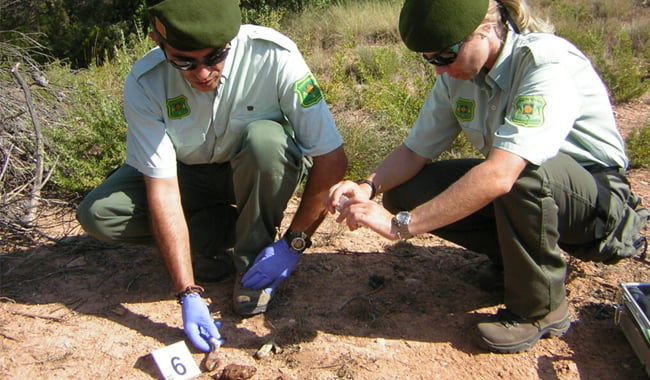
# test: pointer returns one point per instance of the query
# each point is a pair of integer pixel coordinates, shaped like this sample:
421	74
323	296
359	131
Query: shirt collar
499	76
228	66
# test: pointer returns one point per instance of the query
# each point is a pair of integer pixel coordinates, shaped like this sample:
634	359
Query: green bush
90	142
615	35
271	13
77	32
623	71
637	144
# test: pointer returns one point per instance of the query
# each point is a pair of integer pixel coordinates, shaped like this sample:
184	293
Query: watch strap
373	187
402	227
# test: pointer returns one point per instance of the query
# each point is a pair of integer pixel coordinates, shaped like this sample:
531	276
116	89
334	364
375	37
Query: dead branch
26	215
8	337
6	164
37	184
36	316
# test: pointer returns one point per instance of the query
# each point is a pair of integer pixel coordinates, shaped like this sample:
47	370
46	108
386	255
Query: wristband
373	187
189	290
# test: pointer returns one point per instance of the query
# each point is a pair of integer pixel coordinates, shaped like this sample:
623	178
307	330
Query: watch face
403	218
298	243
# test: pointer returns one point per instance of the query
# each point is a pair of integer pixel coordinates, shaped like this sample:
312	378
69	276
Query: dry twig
37	181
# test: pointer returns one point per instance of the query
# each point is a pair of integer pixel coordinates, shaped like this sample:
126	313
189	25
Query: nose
202	71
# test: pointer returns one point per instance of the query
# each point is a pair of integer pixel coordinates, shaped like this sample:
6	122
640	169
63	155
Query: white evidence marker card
175	362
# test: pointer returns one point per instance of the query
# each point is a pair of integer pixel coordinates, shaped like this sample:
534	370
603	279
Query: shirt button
493	107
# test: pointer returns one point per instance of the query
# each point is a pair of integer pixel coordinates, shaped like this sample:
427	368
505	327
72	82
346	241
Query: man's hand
198	324
368	214
272	266
338	196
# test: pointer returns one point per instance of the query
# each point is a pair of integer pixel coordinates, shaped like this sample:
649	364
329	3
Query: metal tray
634	321
639	315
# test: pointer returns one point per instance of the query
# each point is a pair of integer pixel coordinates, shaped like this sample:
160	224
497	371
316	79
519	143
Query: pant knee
264	144
88	217
267	152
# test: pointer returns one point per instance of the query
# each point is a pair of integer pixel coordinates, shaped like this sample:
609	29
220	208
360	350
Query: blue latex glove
272	266
197	322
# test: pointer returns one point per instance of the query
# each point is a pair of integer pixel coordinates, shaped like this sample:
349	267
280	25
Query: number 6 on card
175	362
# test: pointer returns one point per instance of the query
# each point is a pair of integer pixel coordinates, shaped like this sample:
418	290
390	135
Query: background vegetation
375	86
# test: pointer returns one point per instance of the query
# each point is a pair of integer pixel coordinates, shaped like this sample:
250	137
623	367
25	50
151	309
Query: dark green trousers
549	206
239	203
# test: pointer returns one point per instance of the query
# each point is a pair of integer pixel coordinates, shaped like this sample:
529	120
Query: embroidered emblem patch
465	109
177	107
528	111
308	91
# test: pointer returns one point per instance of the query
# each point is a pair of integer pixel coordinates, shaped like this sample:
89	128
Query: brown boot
509	333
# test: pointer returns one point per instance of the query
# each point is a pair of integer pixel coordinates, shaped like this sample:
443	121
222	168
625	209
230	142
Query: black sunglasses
445	57
188	64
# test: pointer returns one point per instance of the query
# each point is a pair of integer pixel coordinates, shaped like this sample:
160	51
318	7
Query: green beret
189	25
434	25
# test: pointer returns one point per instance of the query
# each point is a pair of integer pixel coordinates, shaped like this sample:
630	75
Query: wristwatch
297	241
401	220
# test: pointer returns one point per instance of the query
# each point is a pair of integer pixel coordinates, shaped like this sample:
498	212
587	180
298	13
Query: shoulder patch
528	111
464	110
308	91
177	107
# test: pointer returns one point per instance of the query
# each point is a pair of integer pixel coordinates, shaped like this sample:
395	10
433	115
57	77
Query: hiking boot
216	268
247	302
509	333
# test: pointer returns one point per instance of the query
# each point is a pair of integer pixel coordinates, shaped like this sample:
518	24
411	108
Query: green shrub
623	71
614	36
78	32
272	12
90	142
637	144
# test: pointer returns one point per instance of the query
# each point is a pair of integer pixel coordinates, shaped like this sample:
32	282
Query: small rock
237	372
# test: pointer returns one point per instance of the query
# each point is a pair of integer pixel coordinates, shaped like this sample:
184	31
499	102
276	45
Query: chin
466	75
204	87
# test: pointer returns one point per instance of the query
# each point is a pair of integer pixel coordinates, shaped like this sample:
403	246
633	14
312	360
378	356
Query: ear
154	37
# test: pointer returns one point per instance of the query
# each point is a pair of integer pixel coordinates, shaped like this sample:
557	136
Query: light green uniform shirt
264	78
541	97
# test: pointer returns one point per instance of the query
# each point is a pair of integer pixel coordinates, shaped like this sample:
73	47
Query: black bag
620	221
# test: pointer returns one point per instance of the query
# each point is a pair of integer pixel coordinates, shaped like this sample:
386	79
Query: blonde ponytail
521	15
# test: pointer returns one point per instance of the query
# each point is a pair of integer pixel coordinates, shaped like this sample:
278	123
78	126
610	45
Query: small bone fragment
342	201
267	348
212	359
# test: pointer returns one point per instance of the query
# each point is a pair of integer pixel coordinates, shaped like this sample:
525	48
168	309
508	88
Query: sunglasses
445	57
189	64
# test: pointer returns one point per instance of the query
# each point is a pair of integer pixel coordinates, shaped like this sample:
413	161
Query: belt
604	169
